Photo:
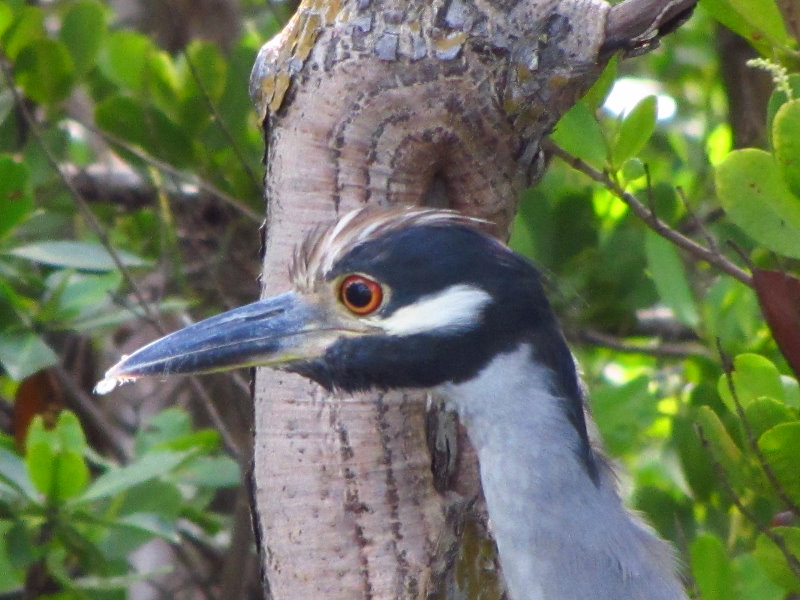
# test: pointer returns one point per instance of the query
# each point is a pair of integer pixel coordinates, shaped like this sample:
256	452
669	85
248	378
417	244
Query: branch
649	217
177	173
651	348
635	26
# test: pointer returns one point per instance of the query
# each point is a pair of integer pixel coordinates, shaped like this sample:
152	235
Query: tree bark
439	103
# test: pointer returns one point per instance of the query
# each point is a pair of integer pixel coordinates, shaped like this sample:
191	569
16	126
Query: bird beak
275	331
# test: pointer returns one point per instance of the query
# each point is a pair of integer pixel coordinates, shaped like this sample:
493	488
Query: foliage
689	387
55	516
718	474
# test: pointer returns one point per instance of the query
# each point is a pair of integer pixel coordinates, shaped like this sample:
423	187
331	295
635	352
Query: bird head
382	299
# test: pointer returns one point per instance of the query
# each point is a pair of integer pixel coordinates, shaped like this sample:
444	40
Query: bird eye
360	295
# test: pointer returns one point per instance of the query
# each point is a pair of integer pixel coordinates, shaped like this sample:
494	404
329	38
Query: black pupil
358	294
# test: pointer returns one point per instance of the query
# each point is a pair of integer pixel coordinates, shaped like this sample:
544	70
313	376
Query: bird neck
560	531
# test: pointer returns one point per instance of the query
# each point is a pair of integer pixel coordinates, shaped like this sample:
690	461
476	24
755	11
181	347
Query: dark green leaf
12	577
82	32
45	71
15	194
667	271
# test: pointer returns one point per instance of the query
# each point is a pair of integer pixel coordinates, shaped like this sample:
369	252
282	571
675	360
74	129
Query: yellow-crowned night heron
422	298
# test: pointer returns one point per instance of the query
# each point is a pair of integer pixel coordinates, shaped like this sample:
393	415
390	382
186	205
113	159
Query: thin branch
791	560
238	205
652	348
650	219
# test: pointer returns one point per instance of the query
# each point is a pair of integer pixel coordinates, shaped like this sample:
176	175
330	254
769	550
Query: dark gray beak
276	331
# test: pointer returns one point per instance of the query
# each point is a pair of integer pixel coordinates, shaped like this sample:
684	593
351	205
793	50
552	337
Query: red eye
360	295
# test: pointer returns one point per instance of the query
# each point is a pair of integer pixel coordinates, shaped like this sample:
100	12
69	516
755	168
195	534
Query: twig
791	560
650	219
177	173
219	424
652	348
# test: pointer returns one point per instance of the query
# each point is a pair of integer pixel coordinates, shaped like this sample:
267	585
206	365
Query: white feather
455	308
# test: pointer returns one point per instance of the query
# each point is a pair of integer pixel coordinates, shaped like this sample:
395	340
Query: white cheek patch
457	307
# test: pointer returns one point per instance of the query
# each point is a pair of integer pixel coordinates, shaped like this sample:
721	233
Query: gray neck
560	534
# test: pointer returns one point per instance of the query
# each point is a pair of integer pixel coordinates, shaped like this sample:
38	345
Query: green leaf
12	578
162	428
667	271
711	568
124	59
88	256
23	353
211	471
71	475
757	200
786	140
150	466
634	131
754	376
779	97
752	581
14	475
26	29
754	20
40	456
82	32
697	468
44	69
55	458
722	447
75	295
765	413
773	561
578	132
15	194
781	448
6	16
623	413
597	94
146	127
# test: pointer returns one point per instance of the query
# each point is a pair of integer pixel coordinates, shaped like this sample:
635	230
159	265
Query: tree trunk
412	102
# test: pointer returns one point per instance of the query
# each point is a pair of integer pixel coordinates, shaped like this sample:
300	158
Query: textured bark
381	102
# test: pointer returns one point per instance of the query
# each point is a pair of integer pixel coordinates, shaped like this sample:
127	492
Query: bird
421	298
